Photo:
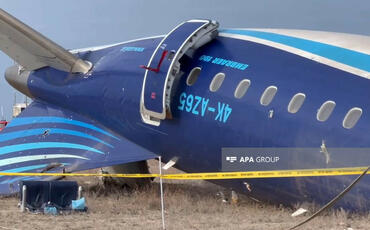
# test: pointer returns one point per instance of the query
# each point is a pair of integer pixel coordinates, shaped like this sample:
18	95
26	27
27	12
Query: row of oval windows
324	112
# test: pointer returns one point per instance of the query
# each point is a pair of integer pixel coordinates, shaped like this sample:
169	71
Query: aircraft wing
32	50
45	138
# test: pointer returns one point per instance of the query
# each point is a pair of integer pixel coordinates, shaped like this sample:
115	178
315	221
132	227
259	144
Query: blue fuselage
204	122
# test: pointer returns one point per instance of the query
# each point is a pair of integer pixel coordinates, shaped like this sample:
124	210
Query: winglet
32	50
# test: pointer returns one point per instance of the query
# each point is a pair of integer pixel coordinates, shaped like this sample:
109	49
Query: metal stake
161	187
23	203
79	195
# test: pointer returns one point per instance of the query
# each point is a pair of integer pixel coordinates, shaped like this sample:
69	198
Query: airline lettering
223	62
132	49
199	106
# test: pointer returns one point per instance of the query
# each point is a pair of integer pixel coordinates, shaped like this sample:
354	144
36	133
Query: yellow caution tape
217	175
80	174
267	174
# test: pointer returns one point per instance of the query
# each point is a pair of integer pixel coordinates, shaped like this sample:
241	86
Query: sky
84	23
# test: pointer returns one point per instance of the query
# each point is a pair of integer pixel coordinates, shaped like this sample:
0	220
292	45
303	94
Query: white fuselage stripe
301	53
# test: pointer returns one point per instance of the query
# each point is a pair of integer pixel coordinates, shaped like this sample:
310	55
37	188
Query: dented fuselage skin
204	122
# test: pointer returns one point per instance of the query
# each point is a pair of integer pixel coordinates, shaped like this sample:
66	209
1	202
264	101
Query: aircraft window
296	102
268	95
352	117
217	82
242	88
193	76
325	110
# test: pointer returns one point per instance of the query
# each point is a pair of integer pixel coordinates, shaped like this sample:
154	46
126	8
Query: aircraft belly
295	191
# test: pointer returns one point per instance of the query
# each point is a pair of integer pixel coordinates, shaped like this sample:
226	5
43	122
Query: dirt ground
188	205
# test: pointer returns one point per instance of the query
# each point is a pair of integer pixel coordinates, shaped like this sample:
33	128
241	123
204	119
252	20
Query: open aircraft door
164	67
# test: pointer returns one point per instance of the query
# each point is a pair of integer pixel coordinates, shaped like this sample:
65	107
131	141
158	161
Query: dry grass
193	205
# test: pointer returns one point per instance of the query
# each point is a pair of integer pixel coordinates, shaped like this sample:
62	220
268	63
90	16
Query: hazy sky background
84	23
